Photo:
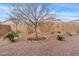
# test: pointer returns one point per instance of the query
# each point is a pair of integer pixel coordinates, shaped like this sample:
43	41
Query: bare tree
32	13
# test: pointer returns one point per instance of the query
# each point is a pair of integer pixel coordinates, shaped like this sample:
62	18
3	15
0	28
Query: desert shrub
36	39
60	38
58	32
78	31
10	36
69	34
52	32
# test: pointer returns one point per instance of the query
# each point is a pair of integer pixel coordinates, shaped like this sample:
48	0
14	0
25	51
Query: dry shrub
58	32
78	31
36	39
52	32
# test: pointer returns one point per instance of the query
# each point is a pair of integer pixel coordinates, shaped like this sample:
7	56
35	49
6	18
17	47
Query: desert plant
11	36
60	38
58	32
78	31
52	32
35	39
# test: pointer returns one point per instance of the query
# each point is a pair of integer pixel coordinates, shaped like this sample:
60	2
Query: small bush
78	31
10	36
36	39
58	32
60	38
52	32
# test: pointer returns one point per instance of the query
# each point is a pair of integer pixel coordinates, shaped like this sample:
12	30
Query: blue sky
64	11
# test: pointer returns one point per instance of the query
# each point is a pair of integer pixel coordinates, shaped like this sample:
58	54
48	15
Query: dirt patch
52	47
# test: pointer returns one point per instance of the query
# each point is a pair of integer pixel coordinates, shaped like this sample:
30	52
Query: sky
64	11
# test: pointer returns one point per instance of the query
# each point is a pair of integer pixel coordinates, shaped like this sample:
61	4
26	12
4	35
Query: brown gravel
50	47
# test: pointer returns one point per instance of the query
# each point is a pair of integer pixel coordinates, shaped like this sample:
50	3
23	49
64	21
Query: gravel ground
50	47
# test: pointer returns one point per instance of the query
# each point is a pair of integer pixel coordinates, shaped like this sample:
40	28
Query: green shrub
60	38
10	36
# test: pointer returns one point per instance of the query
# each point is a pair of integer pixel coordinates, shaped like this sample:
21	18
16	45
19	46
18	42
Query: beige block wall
52	27
47	27
20	27
63	27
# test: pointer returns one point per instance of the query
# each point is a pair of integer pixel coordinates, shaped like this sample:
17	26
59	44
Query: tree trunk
36	33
